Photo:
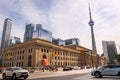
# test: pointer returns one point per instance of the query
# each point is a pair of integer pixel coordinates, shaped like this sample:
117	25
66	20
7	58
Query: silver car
108	70
15	73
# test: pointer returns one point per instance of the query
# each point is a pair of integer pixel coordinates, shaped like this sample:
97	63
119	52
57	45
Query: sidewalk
39	74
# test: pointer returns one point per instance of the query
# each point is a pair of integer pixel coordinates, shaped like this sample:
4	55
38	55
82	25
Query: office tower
6	33
42	33
91	24
58	41
72	41
28	32
38	27
15	40
109	50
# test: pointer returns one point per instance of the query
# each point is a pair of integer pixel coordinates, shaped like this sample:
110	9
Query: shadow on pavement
11	79
108	77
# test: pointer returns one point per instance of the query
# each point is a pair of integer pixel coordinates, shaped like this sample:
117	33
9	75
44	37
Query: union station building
31	52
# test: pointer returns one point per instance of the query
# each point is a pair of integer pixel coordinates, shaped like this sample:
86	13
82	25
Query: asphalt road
89	77
66	77
38	75
84	76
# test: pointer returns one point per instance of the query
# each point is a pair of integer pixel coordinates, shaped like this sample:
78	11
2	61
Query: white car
15	73
108	70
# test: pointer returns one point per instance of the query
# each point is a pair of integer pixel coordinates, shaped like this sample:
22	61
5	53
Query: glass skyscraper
42	33
109	50
6	33
58	41
72	41
28	32
14	40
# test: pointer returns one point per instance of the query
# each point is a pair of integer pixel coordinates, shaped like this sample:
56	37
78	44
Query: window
41	50
18	68
29	60
22	64
55	58
44	50
23	51
58	58
22	57
47	51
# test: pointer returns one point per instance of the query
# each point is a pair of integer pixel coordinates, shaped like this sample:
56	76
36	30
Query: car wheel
97	75
4	76
25	77
119	74
14	77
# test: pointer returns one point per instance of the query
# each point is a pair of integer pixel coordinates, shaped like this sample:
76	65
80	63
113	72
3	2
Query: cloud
65	18
26	12
68	15
30	12
70	19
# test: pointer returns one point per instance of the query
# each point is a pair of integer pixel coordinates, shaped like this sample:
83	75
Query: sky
65	19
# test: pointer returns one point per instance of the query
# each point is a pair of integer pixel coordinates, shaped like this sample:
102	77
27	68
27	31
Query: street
67	75
79	77
84	76
89	77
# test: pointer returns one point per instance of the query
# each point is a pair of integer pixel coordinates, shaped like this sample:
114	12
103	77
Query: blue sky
65	18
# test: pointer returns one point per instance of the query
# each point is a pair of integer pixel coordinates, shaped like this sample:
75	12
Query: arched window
29	61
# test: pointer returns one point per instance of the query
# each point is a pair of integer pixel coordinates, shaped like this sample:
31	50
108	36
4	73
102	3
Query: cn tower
91	24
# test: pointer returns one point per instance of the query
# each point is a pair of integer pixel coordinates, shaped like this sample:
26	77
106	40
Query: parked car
67	68
108	70
14	73
76	68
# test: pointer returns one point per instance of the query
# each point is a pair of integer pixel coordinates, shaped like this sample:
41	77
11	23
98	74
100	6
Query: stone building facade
30	54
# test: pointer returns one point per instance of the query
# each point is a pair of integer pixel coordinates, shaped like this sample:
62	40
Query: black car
67	68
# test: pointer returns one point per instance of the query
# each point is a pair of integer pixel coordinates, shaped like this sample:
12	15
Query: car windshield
18	68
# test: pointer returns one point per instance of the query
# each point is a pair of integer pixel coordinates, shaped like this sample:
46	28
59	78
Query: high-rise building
58	41
6	33
15	40
42	33
72	41
91	24
28	32
38	27
109	50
